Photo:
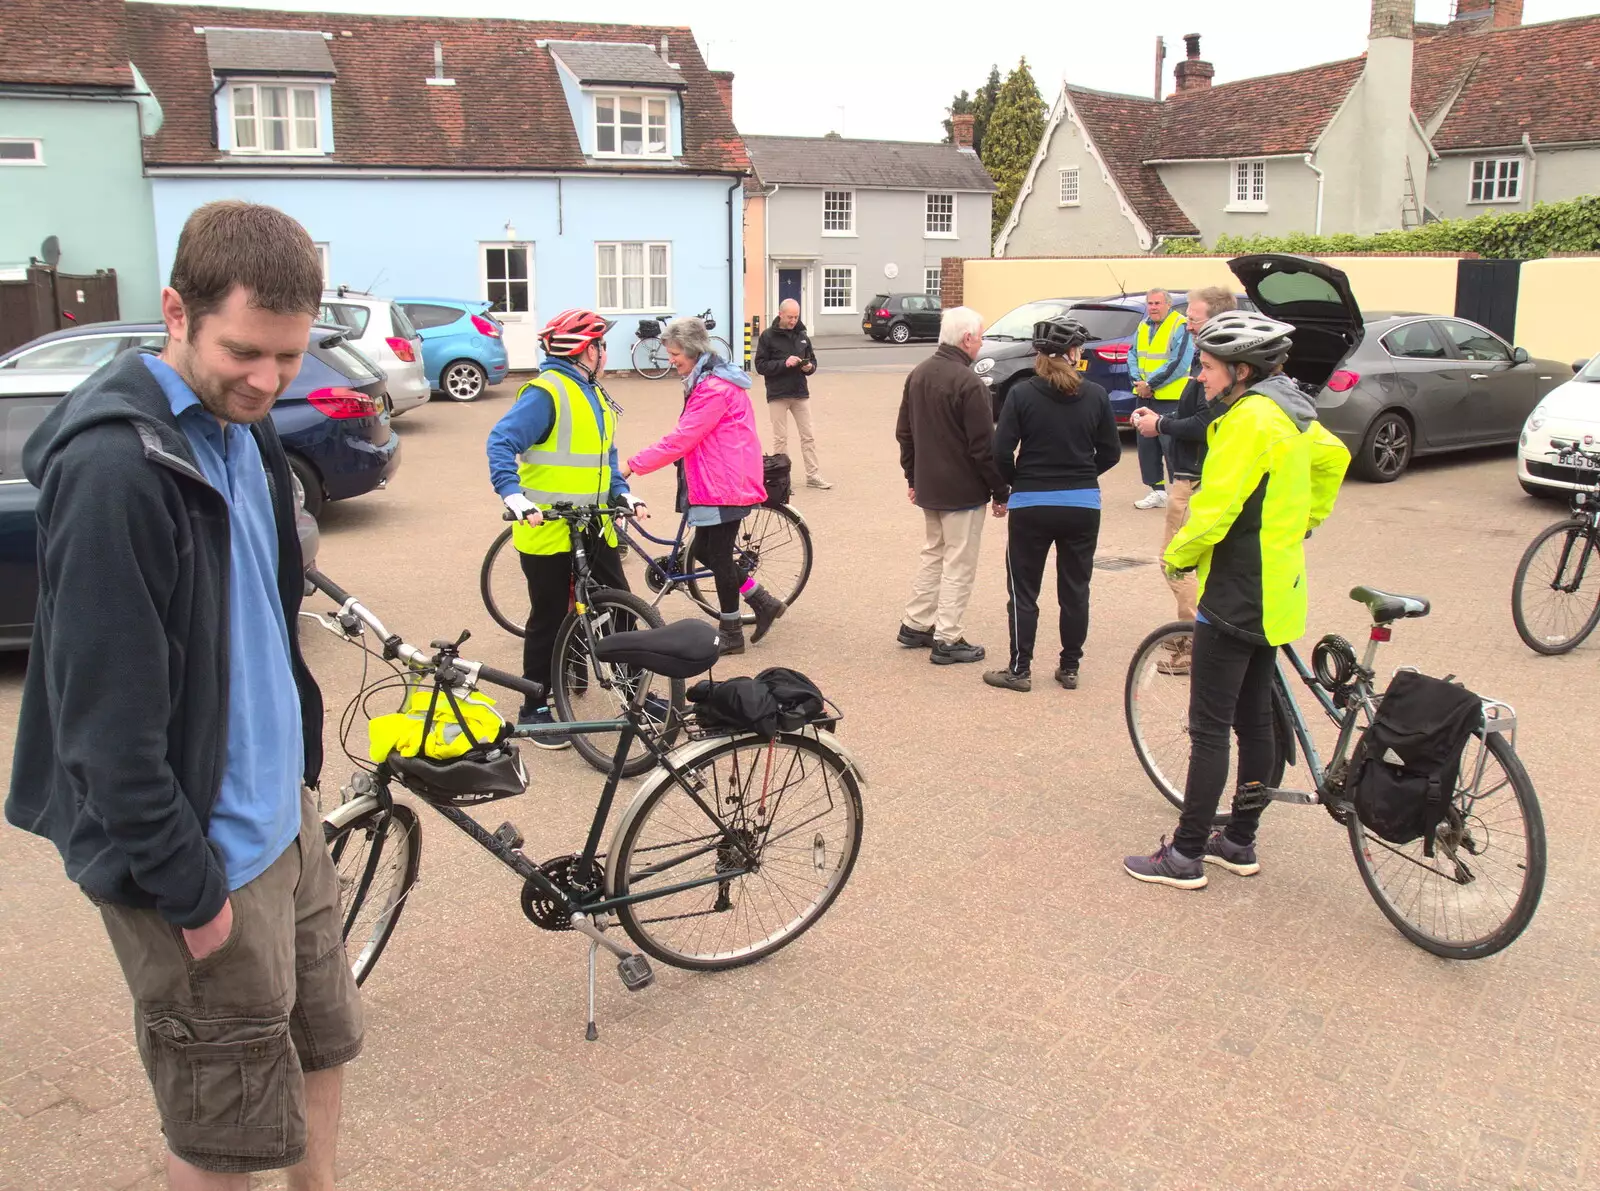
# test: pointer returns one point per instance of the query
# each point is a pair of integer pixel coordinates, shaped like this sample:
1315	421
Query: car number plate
1083	363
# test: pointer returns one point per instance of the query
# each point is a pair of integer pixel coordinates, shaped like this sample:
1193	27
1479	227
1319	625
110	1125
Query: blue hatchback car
463	349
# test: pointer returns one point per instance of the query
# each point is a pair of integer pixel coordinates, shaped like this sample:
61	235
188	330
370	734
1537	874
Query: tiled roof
43	46
506	110
1276	113
269	51
891	165
605	62
1124	129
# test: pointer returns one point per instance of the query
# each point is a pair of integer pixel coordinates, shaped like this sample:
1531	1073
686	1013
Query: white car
1569	411
380	330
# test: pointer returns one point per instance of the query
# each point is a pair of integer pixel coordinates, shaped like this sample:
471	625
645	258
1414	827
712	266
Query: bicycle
1477	891
650	354
738	843
774	544
1558	561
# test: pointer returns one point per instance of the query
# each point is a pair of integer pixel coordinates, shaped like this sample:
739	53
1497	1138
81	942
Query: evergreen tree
983	107
1012	138
959	106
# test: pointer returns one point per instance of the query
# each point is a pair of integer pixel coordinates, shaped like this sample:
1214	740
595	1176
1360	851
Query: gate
46	300
1486	292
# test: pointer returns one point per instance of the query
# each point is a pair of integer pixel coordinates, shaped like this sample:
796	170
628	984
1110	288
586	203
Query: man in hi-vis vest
1158	367
556	443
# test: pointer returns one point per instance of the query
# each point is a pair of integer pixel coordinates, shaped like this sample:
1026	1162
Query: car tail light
345	403
1113	353
402	348
486	326
1344	380
884	313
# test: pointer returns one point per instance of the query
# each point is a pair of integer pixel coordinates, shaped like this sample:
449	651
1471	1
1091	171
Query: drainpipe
1533	168
733	310
1320	180
766	243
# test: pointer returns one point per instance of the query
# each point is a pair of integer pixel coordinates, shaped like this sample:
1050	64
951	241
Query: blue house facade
537	165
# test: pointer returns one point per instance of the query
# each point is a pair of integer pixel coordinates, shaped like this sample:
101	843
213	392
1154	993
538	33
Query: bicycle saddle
1385	606
681	650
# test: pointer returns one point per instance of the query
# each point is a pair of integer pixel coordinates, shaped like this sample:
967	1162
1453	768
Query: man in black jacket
170	727
785	357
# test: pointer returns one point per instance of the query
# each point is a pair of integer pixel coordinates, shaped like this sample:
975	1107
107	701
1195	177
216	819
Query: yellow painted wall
1550	308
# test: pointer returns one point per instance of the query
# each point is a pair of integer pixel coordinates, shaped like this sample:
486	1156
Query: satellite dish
50	251
891	270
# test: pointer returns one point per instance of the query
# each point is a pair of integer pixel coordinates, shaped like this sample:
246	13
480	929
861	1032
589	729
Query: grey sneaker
543	717
1067	676
915	638
1010	680
1167	866
959	650
817	482
1239	859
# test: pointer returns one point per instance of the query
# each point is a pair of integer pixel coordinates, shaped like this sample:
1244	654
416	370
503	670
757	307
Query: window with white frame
1249	192
839	287
21	151
508	278
941	220
1069	187
1496	180
633	275
630	126
932	280
839	212
322	255
274	119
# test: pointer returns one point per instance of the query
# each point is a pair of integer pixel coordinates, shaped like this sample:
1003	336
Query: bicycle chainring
1333	794
544	911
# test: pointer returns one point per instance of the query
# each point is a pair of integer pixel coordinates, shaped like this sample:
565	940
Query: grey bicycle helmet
1057	336
1244	337
478	776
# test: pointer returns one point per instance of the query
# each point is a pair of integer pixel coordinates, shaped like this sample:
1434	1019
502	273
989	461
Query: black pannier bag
649	328
775	474
775	700
1403	773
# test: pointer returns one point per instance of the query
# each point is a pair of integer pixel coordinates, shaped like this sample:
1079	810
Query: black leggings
1230	686
549	594
713	546
1032	531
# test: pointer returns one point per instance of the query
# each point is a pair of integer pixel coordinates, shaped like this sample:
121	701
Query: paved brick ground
992	1003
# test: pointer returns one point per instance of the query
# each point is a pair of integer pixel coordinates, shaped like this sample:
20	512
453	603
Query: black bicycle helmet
494	772
1244	337
1057	336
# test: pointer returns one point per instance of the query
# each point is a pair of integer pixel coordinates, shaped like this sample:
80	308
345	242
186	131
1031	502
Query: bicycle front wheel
773	546
504	587
590	690
376	856
650	358
1480	888
793	805
1555	598
1156	704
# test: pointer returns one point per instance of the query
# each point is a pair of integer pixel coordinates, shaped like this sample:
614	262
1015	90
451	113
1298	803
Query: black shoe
767	608
731	632
1010	680
915	638
543	717
958	650
1068	677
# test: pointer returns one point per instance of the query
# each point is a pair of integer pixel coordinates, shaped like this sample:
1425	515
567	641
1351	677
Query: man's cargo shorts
226	1039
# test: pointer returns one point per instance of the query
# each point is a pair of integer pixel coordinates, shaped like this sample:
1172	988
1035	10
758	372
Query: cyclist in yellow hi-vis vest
1159	362
556	443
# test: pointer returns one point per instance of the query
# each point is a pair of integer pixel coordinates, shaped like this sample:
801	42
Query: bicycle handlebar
328	587
511	682
567	512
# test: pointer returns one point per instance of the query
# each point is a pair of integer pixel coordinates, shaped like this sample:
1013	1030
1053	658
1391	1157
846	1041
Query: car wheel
310	485
462	381
900	333
1386	451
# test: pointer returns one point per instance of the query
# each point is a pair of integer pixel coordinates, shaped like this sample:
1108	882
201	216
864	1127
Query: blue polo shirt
257	814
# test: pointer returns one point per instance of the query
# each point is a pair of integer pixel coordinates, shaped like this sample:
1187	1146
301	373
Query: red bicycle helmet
569	332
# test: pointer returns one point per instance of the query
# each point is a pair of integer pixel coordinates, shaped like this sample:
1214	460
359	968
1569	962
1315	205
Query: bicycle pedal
635	972
508	835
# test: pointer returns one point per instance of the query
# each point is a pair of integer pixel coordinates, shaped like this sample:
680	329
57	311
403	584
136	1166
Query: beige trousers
943	586
1186	588
780	408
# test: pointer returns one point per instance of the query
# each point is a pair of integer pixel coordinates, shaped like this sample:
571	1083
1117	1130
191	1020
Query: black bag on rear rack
1403	772
777	699
775	474
649	328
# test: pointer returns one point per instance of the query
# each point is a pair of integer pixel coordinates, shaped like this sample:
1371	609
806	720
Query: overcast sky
888	70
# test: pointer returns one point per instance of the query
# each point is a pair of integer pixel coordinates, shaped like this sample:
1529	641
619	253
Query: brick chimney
1392	18
1193	72
1381	106
1507	14
961	126
724	81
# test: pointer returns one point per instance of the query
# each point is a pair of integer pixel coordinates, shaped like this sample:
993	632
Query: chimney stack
1161	63
1193	73
724	81
961	127
1392	18
1507	14
1381	104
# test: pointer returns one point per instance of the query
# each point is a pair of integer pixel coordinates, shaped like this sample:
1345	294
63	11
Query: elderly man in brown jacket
946	433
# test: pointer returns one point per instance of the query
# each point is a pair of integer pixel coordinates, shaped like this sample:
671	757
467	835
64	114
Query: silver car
380	330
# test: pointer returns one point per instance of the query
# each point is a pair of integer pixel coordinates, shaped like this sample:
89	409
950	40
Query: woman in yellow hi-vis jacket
1270	477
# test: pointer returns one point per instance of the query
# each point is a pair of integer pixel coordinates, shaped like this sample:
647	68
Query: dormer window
275	119
273	88
630	126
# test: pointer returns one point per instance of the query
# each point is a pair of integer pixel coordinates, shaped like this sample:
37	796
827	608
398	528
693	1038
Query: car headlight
984	366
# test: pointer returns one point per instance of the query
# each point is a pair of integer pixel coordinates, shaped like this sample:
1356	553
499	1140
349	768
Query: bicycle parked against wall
1466	896
732	847
1555	598
650	354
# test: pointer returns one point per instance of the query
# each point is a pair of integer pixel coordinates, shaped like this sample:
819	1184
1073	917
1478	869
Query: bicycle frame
1360	698
669	579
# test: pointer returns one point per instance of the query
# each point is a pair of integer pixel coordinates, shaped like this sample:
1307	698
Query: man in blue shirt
169	725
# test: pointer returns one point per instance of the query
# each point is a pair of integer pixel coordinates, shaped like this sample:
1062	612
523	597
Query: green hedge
1572	226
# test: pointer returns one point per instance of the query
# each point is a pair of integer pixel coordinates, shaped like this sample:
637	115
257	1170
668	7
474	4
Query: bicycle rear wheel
586	690
1479	890
722	347
1156	704
504	587
376	856
774	546
790	801
1555	598
650	358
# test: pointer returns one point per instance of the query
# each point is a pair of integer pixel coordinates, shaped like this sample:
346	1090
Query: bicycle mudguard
348	812
686	755
1283	724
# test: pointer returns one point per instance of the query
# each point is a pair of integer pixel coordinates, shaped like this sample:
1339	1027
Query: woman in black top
1056	437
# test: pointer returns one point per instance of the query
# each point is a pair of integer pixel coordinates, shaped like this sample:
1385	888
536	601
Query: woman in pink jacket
718	454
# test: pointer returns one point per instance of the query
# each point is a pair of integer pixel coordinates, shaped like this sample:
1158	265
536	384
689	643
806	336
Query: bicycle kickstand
633	968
